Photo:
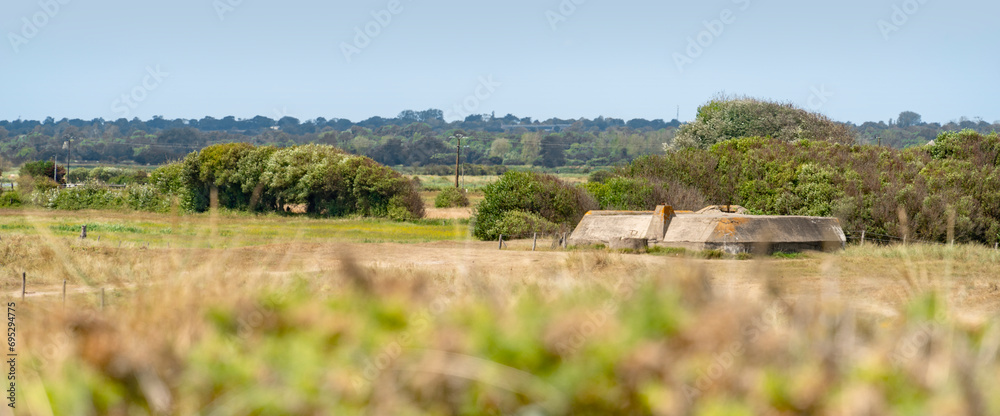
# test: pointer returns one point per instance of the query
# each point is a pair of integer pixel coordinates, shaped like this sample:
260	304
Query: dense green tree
909	119
731	118
553	152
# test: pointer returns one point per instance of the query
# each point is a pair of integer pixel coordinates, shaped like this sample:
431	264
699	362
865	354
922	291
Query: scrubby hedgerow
533	197
108	175
727	118
10	199
326	180
43	169
520	224
864	186
92	196
450	198
638	194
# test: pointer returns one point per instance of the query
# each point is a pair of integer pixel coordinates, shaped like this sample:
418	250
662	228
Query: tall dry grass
247	331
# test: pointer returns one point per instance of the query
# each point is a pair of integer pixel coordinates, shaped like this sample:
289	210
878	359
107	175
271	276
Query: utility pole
458	155
69	151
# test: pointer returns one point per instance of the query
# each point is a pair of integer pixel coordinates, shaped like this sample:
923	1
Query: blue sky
538	58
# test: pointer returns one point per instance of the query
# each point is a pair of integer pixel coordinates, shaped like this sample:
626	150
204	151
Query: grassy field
475	183
234	314
232	229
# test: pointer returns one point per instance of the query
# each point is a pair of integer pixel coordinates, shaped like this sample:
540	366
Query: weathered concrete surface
711	230
733	233
637	244
600	227
723	209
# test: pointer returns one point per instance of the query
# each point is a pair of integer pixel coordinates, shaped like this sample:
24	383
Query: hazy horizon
853	61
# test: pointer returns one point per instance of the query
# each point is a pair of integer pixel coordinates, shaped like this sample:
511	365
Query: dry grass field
235	314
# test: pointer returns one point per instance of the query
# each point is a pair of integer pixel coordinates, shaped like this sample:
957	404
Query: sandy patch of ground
448	213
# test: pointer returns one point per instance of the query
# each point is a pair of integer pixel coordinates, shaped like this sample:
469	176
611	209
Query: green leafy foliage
863	186
109	175
528	192
450	198
10	199
134	197
599	176
727	118
627	194
519	224
326	180
43	169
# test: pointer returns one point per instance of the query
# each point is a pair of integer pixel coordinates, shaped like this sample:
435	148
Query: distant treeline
420	138
412	139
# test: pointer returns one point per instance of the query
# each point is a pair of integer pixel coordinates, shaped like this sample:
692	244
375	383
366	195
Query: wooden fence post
64	292
83	232
500	245
24	284
534	242
863	237
564	242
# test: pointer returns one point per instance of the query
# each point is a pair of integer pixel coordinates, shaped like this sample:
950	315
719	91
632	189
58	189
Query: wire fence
539	240
864	236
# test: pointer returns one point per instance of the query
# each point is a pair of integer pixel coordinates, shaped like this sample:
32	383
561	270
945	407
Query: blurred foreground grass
256	330
366	340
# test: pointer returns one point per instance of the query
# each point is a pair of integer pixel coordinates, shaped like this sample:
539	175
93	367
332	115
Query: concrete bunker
721	227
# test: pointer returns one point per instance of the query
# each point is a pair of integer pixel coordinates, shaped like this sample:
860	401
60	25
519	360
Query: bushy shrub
325	179
450	198
726	118
599	176
78	175
136	197
543	195
644	194
628	194
519	224
108	175
171	182
43	169
10	199
26	184
863	186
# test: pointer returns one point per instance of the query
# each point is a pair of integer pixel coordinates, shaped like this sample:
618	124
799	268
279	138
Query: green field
224	230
